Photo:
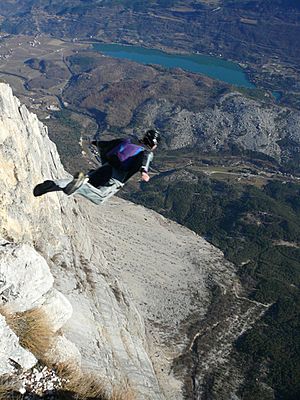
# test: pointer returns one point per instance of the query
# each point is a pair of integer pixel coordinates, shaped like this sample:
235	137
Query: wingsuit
120	160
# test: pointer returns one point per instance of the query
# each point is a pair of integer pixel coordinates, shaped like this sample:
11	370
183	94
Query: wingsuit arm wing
104	146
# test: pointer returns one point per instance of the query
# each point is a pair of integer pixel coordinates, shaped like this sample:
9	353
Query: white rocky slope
233	120
133	278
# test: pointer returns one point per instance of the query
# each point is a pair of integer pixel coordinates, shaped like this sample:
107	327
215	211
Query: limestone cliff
109	333
139	285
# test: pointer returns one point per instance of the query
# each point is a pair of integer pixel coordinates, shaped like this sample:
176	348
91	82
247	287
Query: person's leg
102	193
46	187
68	186
100	176
75	183
105	178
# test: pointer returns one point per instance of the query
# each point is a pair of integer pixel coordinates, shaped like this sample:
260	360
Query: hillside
241	21
255	221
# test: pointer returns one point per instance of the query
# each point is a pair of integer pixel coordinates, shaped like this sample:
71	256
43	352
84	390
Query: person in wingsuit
120	159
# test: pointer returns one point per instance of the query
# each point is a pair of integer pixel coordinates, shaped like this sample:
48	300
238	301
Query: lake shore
213	67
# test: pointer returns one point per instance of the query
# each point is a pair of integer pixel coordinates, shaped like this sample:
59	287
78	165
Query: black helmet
151	138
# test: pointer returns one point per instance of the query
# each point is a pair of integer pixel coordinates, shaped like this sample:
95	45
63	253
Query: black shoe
45	187
75	184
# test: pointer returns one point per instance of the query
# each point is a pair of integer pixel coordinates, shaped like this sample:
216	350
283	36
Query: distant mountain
243	30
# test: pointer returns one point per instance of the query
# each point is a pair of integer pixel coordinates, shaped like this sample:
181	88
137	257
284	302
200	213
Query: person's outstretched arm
148	157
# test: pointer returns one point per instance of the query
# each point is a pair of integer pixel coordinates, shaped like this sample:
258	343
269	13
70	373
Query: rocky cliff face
139	287
109	334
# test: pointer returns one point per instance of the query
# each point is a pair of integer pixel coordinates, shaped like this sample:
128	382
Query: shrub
36	334
33	329
86	385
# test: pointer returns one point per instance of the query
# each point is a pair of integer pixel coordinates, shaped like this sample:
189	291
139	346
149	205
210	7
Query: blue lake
213	67
277	95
